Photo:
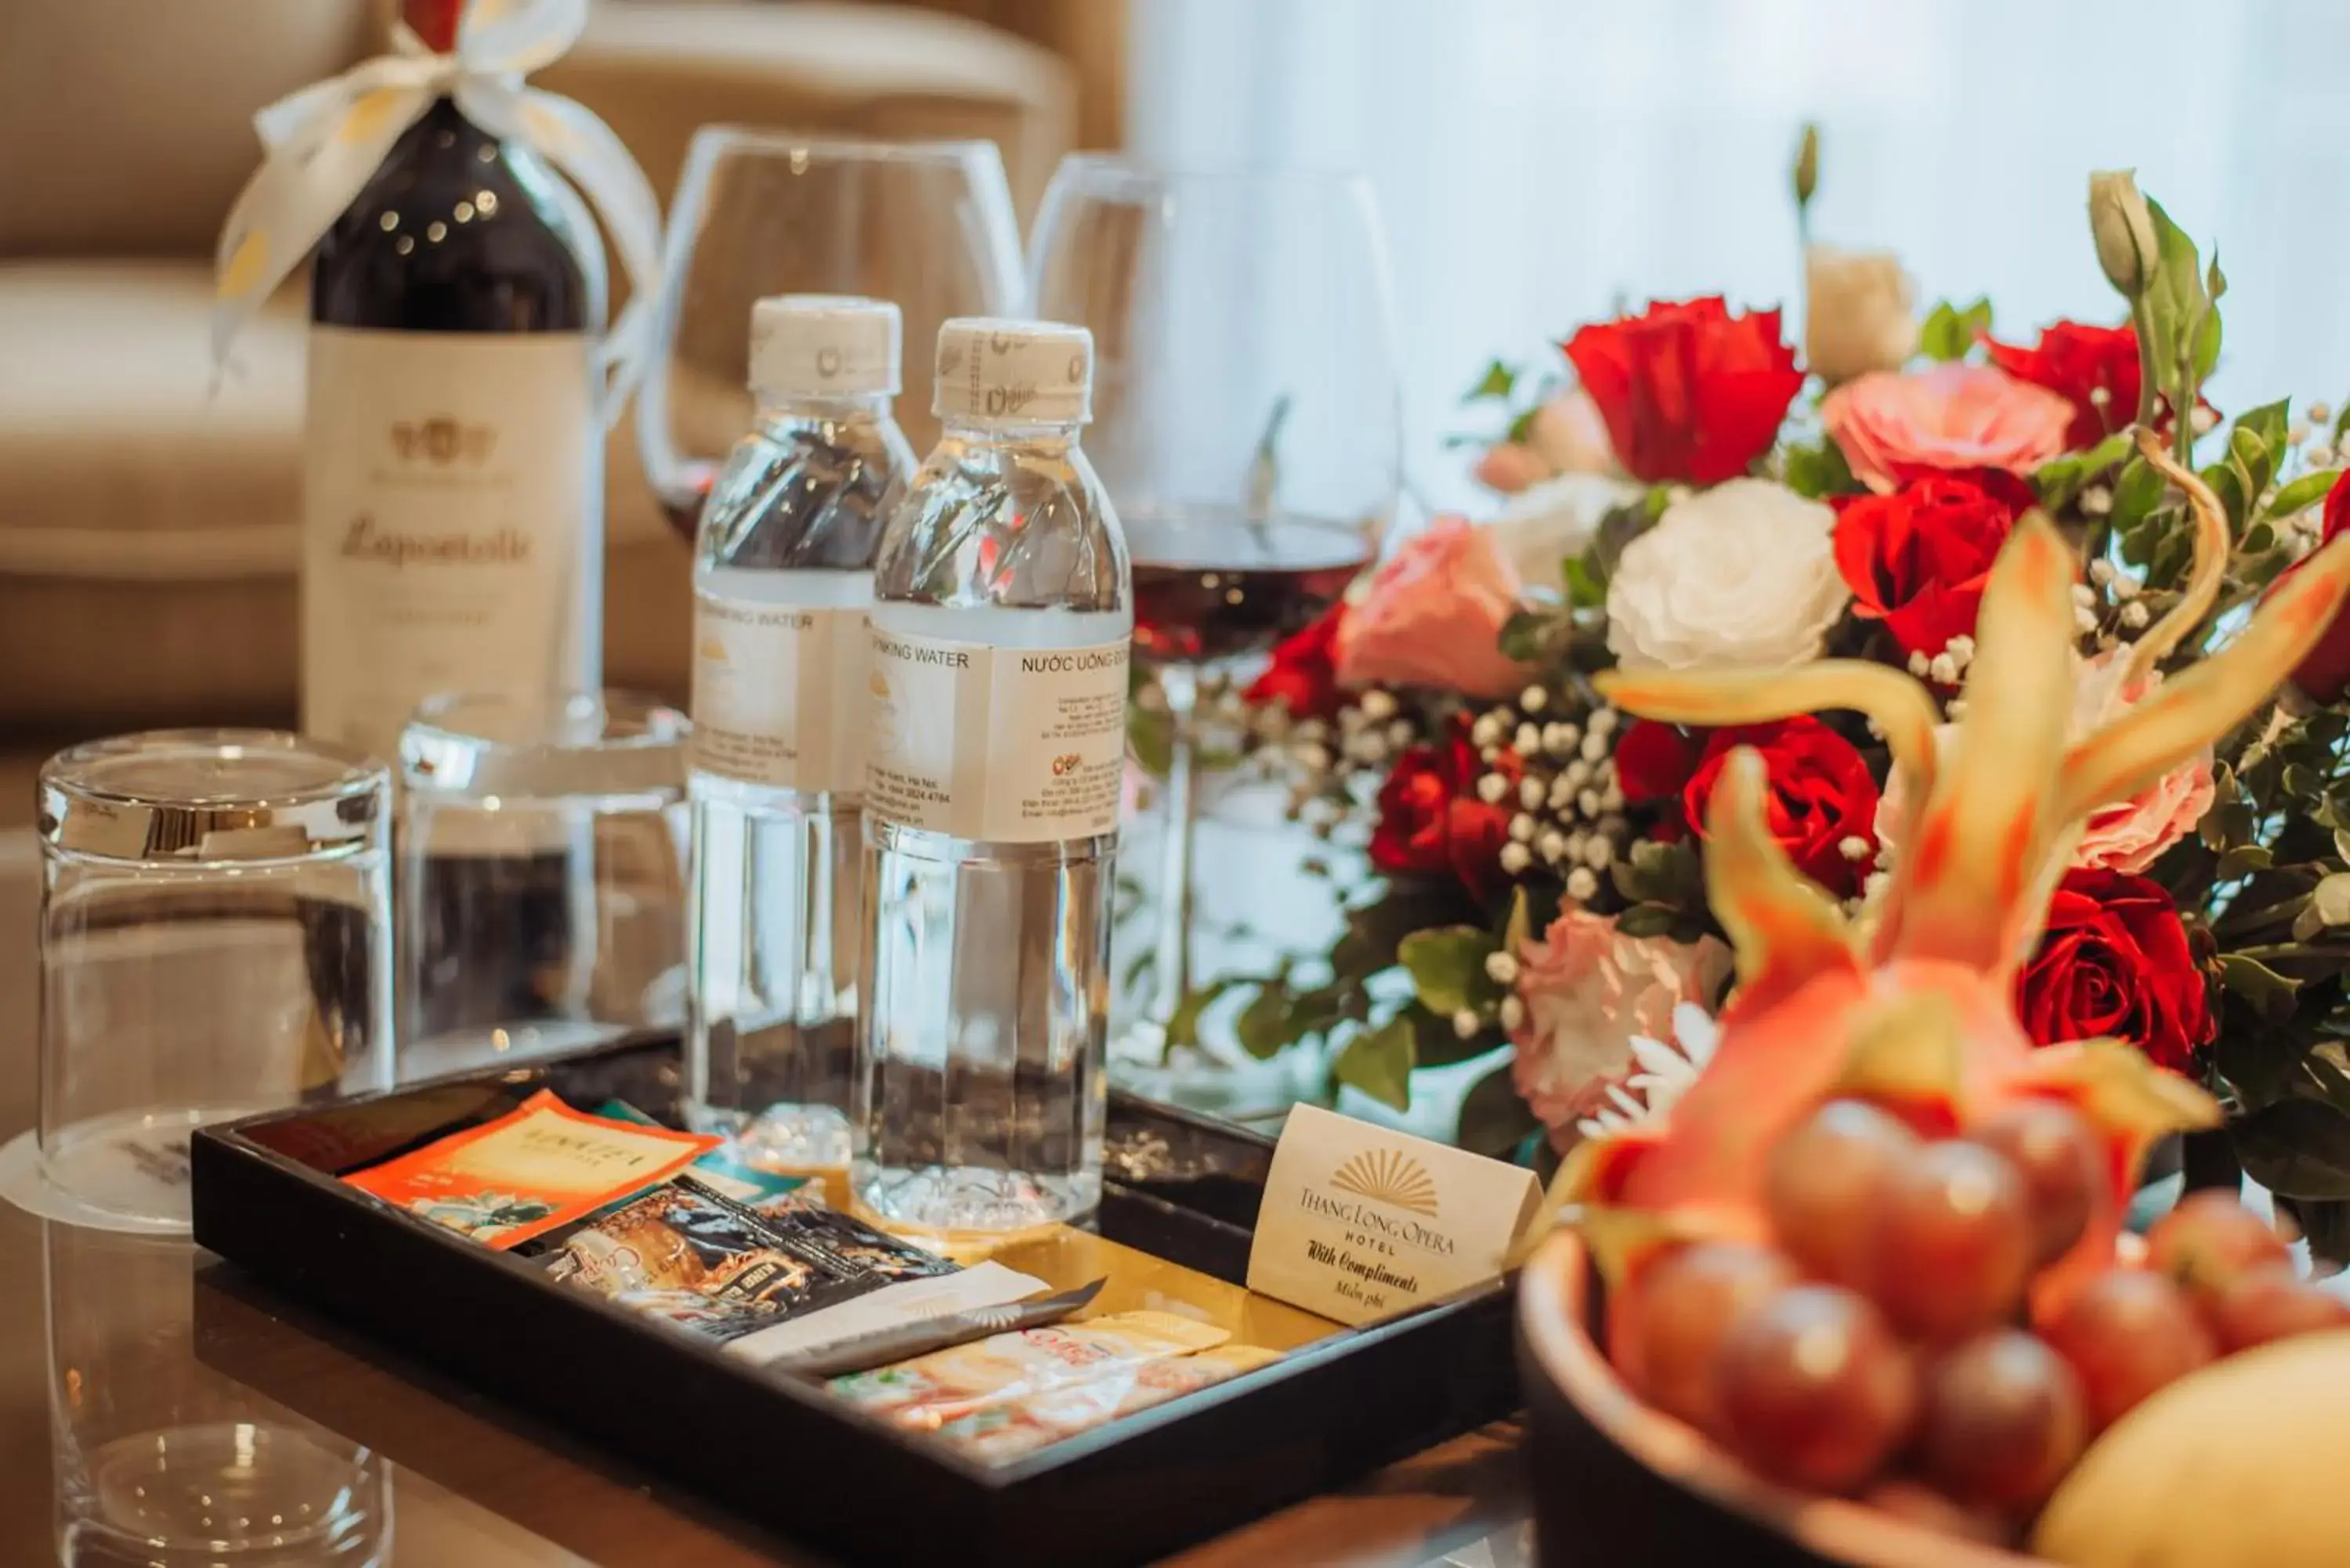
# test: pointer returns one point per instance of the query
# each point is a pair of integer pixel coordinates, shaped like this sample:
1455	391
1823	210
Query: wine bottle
453	530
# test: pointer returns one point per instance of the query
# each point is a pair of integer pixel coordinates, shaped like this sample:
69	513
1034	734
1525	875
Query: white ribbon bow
323	143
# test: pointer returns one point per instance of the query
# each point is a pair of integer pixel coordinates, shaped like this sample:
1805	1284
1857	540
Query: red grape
2269	1303
1813	1389
1684	1304
1953	1245
2051	1145
2127	1333
2210	1239
2004	1420
1826	1182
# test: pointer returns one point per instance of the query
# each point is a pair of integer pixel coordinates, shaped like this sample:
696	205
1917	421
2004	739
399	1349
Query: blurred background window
1541	162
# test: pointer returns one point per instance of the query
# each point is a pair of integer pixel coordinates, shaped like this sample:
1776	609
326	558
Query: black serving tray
783	1453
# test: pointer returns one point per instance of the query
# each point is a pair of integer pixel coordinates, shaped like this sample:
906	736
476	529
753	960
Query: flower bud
1807	165
2124	231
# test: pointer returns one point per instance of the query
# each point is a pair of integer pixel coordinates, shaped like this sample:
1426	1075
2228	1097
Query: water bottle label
1012	746
776	684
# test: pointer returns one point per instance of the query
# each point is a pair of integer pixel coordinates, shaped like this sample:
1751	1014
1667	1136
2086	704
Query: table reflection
161	1462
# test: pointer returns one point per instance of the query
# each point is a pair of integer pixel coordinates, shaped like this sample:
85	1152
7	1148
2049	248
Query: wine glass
928	225
1247	422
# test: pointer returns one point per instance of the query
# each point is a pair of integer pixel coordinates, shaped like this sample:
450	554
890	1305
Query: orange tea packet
539	1166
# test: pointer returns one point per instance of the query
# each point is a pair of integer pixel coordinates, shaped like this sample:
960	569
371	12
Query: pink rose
2131	835
1511	466
1433	617
1570	437
1952	418
2128	836
1587	990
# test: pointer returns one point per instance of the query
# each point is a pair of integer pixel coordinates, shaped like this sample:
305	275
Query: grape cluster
1881	1346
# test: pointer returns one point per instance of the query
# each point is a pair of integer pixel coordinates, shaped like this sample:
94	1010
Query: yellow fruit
2240	1465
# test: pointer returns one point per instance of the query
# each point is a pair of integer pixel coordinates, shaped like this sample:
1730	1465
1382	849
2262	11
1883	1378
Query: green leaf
2270	993
2136	494
2296	496
2296	1149
2059	481
1184	1024
1448	967
2243	860
2207	343
1150	739
1647	921
1376	928
2268	424
2175	295
1587	586
1435	1043
1380	1061
1950	331
1263	1025
1530	636
1514	935
1817	472
1494	1120
2331	899
1499	380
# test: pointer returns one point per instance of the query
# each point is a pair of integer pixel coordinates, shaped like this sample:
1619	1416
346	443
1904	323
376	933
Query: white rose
1859	313
1545	525
1740	575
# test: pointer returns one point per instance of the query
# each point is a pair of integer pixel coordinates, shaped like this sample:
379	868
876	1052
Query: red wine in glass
1213	583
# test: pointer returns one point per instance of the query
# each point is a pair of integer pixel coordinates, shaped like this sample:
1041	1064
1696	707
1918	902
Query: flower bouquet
1492	717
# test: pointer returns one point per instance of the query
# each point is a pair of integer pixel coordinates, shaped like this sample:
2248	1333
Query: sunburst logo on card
1389	1175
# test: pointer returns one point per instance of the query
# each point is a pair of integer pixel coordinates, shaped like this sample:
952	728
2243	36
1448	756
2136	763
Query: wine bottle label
453	540
778	669
1021	740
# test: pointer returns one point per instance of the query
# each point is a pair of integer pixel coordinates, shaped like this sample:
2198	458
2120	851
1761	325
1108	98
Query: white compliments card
1361	1221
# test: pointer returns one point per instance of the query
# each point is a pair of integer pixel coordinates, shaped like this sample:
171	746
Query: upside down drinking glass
215	940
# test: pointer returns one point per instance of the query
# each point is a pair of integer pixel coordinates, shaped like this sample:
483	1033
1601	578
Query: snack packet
538	1167
754	1186
930	1391
687	1254
909	1318
1009	1428
858	1244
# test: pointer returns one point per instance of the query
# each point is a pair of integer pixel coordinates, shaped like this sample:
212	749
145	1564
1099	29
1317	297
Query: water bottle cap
823	345
994	370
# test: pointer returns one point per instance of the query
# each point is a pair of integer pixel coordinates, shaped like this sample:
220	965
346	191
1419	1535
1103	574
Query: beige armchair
148	535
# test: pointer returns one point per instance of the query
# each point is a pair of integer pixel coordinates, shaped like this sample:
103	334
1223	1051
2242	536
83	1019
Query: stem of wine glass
1172	970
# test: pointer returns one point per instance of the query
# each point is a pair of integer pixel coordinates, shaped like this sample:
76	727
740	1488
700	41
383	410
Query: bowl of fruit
1906	1364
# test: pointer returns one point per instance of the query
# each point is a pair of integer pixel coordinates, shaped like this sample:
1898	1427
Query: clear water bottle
1002	620
782	577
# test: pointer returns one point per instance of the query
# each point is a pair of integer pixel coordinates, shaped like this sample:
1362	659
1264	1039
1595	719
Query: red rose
1822	795
1653	760
1917	559
2113	961
1303	674
1689	392
2324	673
2078	361
1432	822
